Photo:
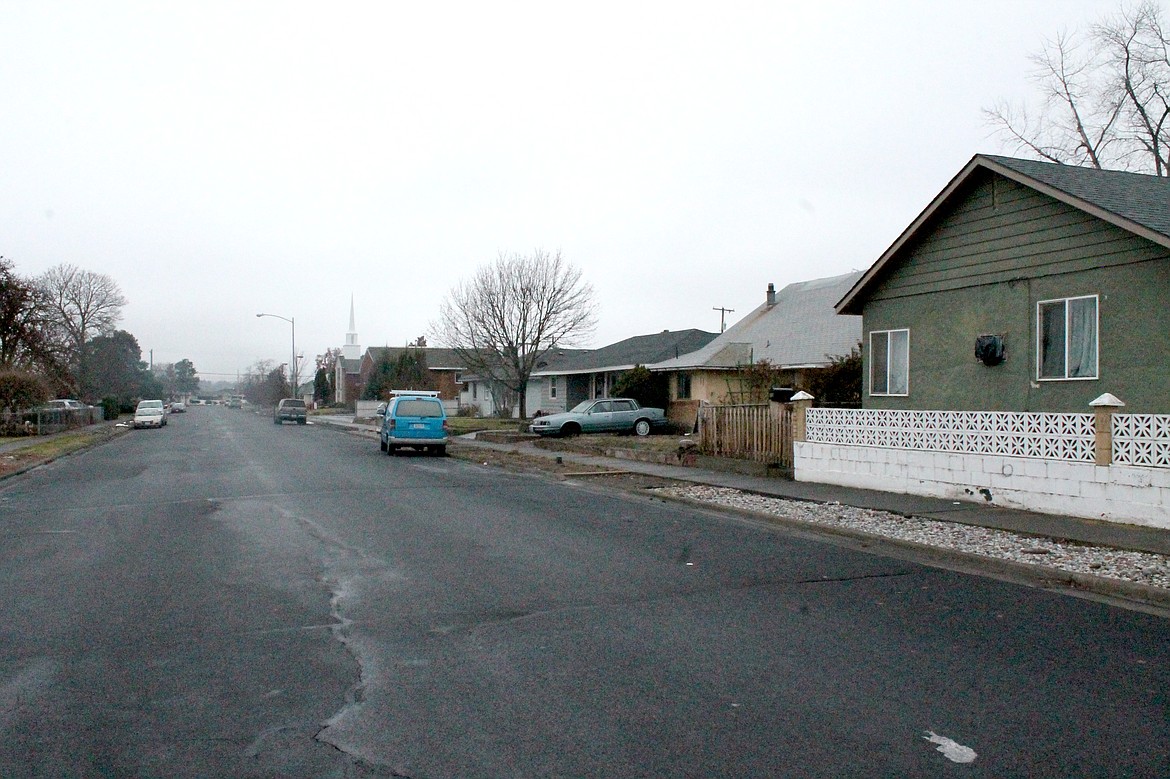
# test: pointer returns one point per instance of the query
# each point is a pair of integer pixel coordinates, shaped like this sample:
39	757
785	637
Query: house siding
1002	231
983	268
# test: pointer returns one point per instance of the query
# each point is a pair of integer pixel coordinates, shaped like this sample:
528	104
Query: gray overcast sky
219	159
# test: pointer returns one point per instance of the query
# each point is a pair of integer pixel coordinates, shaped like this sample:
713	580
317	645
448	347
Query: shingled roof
1136	202
800	330
1133	197
623	355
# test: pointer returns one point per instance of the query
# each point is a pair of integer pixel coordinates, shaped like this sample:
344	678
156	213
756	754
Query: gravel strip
1138	567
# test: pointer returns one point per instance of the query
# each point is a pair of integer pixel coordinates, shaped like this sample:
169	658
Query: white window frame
552	387
1067	312
888	337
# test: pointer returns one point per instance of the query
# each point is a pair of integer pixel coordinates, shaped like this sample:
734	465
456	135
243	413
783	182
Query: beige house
796	330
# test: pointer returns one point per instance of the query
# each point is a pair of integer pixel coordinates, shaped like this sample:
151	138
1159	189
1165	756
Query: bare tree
511	312
81	304
1106	97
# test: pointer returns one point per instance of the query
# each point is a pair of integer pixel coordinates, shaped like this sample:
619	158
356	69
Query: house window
1066	338
552	386
474	390
889	362
684	386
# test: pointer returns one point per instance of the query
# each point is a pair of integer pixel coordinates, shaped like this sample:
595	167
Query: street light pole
293	369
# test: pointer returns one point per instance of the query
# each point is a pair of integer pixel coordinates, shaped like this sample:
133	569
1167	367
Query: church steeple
351	350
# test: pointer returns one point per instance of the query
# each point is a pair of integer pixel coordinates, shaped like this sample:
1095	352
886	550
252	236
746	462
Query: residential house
492	400
573	376
444	367
1023	286
796	330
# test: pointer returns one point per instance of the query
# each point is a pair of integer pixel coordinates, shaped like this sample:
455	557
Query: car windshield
418	408
582	407
150	404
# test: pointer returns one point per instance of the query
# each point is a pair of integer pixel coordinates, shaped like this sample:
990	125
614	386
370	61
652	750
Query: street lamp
291	321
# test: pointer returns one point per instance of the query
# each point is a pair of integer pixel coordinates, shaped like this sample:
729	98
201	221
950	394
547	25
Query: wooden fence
762	433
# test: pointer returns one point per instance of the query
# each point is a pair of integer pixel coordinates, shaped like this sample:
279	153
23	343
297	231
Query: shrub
839	384
649	389
111	407
19	390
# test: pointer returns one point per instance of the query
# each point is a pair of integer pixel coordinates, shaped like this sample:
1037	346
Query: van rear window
418	408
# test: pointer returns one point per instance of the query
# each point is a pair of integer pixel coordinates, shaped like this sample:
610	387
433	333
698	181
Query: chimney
771	294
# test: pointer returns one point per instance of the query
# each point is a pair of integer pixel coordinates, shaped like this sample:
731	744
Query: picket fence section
761	433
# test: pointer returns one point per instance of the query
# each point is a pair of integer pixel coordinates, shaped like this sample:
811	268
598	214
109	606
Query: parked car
416	419
290	410
65	404
150	413
603	415
178	407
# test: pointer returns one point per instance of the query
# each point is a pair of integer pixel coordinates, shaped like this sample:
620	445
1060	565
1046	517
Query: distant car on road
603	415
290	410
150	413
178	407
414	418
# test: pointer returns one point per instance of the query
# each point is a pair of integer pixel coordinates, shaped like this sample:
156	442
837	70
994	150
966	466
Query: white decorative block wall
1129	494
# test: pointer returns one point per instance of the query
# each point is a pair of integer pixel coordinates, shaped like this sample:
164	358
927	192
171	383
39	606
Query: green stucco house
1023	286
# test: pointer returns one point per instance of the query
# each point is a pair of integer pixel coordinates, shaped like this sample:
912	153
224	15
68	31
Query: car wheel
642	427
391	449
302	421
382	443
569	430
441	450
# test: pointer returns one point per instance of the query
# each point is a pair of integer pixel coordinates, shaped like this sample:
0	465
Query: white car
150	413
65	404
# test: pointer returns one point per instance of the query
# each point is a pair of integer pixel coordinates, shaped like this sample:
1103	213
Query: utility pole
723	312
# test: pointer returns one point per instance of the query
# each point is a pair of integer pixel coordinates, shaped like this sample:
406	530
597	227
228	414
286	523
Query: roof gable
1137	203
800	330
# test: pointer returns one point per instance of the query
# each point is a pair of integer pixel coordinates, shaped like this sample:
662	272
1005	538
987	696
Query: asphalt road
224	597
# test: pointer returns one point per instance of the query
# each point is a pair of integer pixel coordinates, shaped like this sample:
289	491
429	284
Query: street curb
1043	576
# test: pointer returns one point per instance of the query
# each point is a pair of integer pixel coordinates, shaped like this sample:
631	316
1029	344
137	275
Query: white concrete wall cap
1108	400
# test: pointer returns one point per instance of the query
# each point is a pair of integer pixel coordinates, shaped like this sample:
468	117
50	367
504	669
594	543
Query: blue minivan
416	419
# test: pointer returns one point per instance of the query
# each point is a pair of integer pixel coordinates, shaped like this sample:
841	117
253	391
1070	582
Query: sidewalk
23	442
1087	531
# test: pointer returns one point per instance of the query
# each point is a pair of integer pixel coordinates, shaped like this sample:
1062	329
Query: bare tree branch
512	312
80	304
1105	97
